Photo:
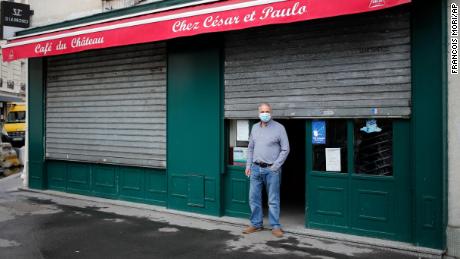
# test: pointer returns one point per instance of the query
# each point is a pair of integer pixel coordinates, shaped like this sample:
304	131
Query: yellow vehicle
15	123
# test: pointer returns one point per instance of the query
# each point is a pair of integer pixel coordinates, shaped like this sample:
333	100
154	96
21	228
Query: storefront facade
166	122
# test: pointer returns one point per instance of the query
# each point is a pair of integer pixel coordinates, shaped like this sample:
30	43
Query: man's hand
248	172
271	168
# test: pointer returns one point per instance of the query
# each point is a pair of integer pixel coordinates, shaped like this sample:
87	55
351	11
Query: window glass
238	141
373	147
329	139
14	117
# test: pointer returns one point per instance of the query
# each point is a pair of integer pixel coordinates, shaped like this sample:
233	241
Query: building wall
62	10
453	228
13	77
54	11
108	5
13	74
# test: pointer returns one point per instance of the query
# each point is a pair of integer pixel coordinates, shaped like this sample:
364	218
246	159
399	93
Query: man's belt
262	164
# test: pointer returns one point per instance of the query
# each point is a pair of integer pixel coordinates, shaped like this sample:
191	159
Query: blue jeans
272	180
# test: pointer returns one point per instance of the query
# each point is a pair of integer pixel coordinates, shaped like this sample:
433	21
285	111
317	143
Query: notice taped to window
333	163
242	130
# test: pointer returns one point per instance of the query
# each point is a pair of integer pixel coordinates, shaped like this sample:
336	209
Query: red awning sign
216	17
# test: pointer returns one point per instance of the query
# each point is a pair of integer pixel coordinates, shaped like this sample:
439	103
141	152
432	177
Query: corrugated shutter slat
108	106
339	68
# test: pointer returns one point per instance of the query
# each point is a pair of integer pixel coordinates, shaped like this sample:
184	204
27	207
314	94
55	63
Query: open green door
194	126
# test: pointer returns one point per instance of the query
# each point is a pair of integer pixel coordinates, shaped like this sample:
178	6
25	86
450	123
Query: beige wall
13	72
453	230
53	11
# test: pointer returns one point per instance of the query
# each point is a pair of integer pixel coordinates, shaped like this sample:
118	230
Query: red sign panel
217	17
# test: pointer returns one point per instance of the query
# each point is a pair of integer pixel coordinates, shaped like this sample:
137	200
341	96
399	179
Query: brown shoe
251	229
277	232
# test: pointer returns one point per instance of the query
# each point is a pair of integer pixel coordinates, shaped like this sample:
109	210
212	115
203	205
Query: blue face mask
265	116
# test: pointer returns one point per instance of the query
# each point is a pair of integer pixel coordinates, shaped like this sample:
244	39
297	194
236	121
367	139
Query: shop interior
293	175
293	190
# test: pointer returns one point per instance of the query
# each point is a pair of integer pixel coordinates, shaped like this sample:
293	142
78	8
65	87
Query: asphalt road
42	226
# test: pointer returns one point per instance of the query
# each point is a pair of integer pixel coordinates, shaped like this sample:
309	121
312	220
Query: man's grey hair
265	104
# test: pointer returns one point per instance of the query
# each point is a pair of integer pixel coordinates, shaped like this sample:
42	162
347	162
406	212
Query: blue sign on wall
318	132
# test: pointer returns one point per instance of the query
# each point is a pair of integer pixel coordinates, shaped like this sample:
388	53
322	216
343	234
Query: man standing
267	151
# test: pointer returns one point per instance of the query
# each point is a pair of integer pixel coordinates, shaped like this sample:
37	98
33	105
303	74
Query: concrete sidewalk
56	225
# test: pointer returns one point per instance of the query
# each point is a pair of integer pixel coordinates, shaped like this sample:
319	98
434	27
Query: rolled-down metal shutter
354	66
108	106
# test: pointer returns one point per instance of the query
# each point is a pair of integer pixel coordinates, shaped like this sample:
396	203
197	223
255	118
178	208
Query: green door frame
36	123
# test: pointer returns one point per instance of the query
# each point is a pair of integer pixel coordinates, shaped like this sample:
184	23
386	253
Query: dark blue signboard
318	132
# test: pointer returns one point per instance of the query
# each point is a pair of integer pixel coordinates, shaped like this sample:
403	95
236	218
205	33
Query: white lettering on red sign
270	12
185	26
86	41
376	3
43	49
48	47
218	21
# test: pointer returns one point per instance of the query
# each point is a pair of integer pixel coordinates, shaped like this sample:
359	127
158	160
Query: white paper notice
333	160
240	154
242	130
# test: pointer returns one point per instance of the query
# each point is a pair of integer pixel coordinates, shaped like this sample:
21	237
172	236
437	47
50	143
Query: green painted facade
236	189
408	207
427	123
36	119
195	125
143	185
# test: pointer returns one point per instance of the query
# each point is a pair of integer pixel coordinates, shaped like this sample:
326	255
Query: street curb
6	178
386	245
